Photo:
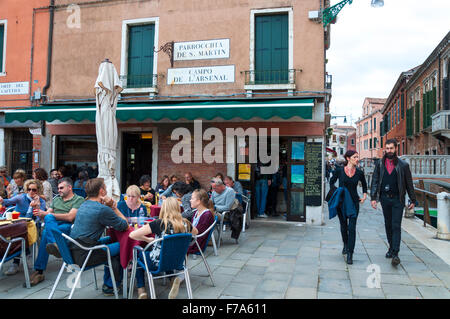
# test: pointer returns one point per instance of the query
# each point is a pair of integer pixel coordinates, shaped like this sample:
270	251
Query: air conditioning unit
314	15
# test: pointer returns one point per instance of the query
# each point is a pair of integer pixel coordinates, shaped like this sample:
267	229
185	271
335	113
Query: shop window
76	152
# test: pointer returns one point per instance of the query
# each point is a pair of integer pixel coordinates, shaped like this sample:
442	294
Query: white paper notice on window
201	75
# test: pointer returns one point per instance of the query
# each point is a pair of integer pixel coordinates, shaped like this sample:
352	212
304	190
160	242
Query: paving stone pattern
286	260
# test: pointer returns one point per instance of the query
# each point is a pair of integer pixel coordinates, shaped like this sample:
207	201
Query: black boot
395	260
345	249
349	258
389	253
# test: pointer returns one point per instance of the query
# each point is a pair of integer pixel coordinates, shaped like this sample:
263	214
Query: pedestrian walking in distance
349	176
390	181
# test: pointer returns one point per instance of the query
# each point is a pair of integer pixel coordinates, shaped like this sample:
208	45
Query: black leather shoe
389	253
395	260
344	250
349	258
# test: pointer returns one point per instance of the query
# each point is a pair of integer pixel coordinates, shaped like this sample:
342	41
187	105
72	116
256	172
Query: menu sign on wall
201	75
313	174
200	50
14	88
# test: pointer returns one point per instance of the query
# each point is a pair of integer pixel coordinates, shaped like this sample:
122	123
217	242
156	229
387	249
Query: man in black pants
390	181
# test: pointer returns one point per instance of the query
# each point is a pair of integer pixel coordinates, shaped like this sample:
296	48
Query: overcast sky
370	47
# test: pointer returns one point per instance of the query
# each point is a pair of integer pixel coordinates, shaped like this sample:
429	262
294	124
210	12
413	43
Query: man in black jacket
390	181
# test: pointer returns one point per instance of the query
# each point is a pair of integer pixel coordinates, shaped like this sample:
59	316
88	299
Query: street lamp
330	13
336	116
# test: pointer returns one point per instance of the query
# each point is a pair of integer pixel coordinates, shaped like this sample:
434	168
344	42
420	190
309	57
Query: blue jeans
261	188
114	249
47	238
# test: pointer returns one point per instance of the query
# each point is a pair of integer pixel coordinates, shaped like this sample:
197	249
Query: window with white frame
271	49
138	67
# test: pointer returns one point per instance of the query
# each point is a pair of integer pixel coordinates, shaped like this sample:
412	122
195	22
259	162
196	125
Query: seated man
93	216
235	185
61	215
222	196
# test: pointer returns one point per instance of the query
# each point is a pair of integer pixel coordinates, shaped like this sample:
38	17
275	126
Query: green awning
265	109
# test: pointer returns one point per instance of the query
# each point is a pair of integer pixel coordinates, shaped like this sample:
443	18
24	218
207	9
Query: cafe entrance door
136	157
295	164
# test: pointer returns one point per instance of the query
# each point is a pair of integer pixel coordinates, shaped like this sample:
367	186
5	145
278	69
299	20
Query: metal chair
80	192
210	233
172	257
246	200
19	254
66	255
222	227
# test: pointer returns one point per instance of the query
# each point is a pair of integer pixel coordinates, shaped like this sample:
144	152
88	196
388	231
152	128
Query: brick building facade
23	71
427	98
394	112
234	65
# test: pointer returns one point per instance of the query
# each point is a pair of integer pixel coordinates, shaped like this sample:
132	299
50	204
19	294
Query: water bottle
141	216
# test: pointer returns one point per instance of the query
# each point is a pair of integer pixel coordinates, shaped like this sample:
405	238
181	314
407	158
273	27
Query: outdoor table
126	249
154	210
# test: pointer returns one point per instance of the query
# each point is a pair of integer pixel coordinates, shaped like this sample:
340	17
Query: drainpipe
50	46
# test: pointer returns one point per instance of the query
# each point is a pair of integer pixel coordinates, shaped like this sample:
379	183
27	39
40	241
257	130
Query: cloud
370	47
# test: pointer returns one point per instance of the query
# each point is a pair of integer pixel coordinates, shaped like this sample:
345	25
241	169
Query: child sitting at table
169	222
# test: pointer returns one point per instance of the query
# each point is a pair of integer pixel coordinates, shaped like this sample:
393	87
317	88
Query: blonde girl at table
169	222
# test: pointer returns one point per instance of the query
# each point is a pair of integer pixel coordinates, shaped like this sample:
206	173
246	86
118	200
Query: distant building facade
342	139
368	143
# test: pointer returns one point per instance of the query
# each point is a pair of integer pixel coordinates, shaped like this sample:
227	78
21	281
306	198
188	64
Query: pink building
368	143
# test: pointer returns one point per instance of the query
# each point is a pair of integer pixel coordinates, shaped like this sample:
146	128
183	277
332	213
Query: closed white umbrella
107	89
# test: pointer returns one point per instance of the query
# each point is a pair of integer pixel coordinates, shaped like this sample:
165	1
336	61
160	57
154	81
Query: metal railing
426	196
255	77
139	81
428	165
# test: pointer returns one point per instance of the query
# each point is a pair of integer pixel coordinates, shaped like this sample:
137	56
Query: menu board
313	174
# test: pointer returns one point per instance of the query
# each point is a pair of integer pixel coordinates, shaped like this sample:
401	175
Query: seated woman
15	187
163	185
146	190
25	203
170	222
132	206
83	177
203	216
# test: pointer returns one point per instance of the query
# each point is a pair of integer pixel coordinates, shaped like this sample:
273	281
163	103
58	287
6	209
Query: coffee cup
8	215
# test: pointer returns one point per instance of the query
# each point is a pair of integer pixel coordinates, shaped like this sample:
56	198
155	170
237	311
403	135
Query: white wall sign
201	75
14	88
199	50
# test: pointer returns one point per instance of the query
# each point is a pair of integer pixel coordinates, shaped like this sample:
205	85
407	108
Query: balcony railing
428	165
267	77
441	121
139	81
